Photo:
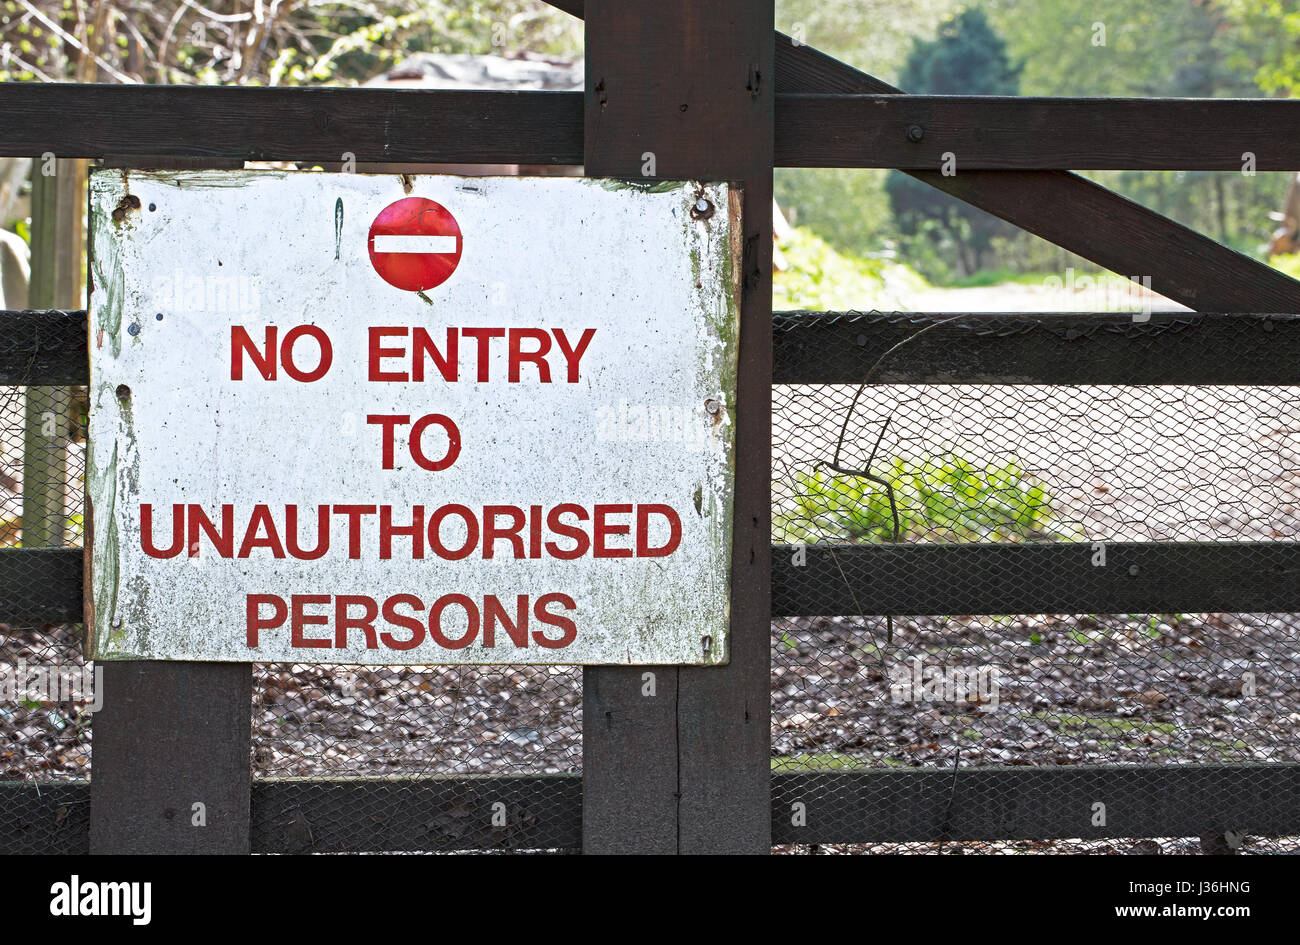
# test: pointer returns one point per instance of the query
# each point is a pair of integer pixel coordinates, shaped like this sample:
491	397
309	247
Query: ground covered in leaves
1113	689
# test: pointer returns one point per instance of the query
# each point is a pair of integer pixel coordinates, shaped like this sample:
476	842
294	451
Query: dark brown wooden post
688	87
171	735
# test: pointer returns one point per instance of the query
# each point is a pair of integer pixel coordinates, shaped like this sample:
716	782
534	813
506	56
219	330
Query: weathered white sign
356	419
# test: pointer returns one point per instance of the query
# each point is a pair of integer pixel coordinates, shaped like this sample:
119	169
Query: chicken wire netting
418	722
1201	693
45	689
940	699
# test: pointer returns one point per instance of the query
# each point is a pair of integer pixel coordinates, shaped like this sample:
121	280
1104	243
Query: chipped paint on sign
292	460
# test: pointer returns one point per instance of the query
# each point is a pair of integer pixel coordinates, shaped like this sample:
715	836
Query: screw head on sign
415	244
712	406
133	329
702	209
915	133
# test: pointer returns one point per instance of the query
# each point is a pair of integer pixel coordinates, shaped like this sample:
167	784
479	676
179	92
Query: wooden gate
710	91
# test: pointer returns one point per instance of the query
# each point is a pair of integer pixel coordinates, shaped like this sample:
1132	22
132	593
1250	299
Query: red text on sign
389	423
451	532
453	621
264	359
529	351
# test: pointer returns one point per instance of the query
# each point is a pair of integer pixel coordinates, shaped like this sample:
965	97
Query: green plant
817	278
945	497
1288	263
822	761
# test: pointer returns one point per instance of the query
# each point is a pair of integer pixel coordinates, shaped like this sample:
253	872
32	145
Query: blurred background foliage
1085	48
264	42
860	223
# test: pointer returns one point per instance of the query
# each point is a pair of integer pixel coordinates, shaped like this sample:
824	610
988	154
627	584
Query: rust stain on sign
523	456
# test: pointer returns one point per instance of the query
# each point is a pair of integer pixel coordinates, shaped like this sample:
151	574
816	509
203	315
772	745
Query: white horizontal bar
405	243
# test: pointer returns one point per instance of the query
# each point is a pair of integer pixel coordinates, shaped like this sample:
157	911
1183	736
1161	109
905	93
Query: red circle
415	271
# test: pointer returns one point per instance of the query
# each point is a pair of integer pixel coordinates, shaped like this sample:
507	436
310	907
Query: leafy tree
966	57
290	42
1127	47
847	206
1267	34
871	35
1187	48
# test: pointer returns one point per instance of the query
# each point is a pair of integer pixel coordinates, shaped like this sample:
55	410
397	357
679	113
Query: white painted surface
211	250
395	243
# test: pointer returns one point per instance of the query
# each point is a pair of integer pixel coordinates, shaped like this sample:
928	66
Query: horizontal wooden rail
48	348
352	815
430	126
1035	802
47	818
1044	578
868	805
835	129
45	348
1095	348
916	132
40	586
301	815
291	124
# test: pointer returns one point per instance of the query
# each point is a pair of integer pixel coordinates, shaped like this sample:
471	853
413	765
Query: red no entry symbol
415	244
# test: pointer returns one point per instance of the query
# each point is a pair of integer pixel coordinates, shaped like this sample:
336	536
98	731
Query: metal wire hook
866	473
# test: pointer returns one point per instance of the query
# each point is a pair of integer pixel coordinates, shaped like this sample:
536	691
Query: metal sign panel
362	419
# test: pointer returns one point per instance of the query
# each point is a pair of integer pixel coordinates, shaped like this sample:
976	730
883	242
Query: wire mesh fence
44	728
408	722
959	700
46	692
1029	465
325	721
